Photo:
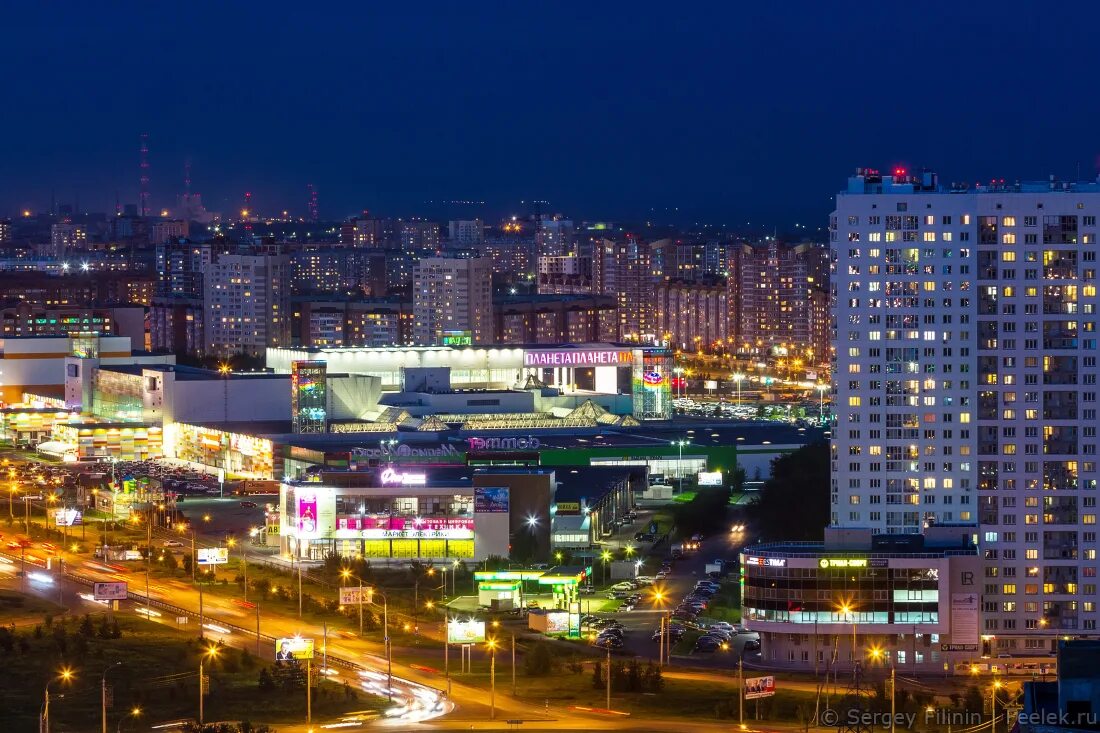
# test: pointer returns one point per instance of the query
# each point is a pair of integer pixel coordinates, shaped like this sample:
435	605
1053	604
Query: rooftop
901	181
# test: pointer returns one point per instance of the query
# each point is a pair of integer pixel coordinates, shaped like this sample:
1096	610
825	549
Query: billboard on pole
293	647
756	687
109	591
465	632
350	596
213	555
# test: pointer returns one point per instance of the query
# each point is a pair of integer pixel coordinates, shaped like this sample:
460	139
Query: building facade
452	295
965	376
692	315
246	303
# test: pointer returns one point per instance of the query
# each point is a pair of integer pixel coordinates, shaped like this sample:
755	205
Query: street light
737	377
878	654
847	609
64	675
492	645
212	653
993	705
132	714
821	402
680	461
103	695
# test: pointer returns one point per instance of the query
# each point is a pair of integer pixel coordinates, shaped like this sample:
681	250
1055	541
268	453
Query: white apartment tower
452	294
246	303
964	328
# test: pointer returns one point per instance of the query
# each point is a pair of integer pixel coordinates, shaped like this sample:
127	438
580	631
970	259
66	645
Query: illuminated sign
490	500
292	648
771	562
579	357
68	517
307	514
389	476
458	338
109	591
351	596
529	443
213	555
402	451
465	632
843	562
568	507
429	523
414	533
756	687
710	478
653	379
308	399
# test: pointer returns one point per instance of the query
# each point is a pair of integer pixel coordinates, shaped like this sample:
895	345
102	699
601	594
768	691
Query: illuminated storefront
402	518
240	455
28	426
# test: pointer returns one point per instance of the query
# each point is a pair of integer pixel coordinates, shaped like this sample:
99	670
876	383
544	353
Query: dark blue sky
730	111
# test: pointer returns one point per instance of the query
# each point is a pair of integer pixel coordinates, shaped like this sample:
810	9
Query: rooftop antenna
314	216
187	180
118	204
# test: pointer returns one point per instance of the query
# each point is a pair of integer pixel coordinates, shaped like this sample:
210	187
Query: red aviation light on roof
899	172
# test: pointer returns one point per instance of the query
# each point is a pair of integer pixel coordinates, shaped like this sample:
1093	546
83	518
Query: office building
452	295
246	302
965	384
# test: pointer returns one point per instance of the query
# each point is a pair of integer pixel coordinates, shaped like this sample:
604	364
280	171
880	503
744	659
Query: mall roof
189	373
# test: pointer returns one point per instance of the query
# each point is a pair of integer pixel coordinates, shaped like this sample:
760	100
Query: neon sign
578	357
843	562
389	476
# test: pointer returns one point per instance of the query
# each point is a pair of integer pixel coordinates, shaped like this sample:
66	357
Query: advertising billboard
109	591
490	500
308	398
710	478
213	555
350	596
293	647
307	513
756	687
68	517
964	618
465	632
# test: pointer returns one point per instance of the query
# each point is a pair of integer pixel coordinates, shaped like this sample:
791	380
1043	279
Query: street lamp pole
737	380
493	679
211	652
103	696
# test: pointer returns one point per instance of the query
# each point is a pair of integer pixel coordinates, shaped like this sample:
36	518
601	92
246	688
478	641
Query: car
706	644
608	642
719	634
624	585
172	543
724	625
752	645
248	505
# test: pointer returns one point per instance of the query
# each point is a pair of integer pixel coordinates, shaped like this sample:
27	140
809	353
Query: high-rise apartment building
66	237
466	231
246	303
554	236
5	230
966	384
451	294
419	235
692	315
776	284
624	269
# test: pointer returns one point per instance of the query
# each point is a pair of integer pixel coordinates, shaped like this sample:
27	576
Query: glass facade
871	595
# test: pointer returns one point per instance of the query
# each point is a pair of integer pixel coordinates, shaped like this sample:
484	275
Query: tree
799	479
706	513
266	681
263	587
597	675
538	661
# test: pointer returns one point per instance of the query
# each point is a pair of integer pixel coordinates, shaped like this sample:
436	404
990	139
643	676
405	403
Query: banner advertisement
710	478
756	687
109	591
68	517
294	647
307	514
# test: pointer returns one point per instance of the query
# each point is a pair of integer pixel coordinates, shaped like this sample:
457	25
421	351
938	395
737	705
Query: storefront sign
842	562
490	500
429	523
568	507
389	476
579	357
458	338
529	443
771	562
403	451
958	647
413	533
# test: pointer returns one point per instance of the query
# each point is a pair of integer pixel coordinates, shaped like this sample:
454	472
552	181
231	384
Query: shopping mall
911	601
452	512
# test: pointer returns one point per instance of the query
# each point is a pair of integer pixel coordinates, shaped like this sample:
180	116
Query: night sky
740	111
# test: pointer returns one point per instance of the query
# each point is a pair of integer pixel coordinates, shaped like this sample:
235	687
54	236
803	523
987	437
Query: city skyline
396	113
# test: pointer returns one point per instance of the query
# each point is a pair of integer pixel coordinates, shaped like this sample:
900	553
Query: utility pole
513	665
608	673
741	691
